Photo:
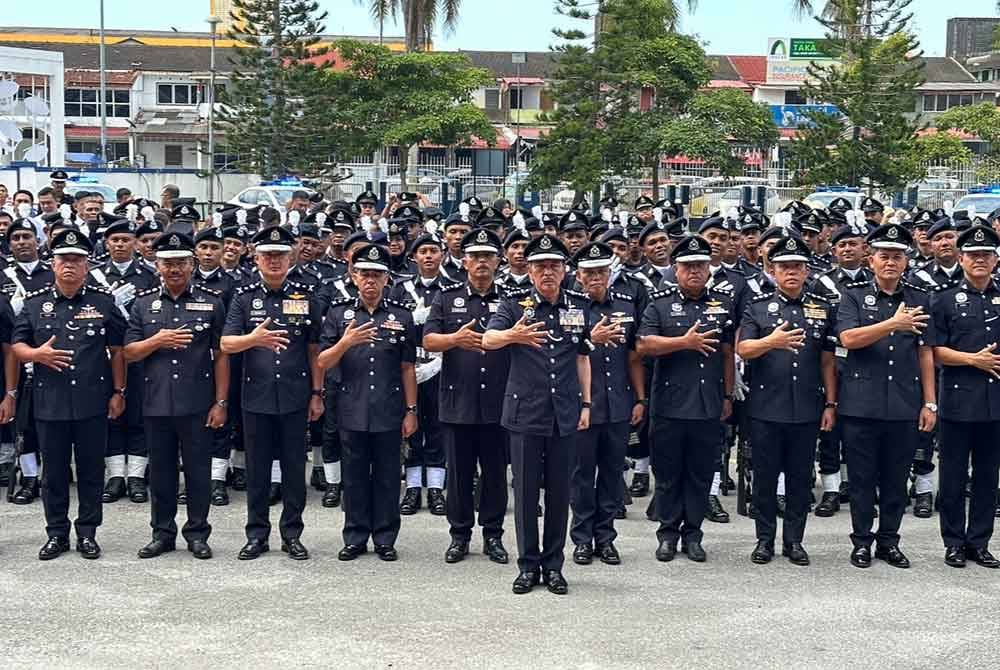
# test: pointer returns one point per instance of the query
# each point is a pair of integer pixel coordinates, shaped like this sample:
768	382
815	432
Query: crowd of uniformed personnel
582	350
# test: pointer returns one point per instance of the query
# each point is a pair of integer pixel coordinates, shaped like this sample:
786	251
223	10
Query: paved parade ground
174	611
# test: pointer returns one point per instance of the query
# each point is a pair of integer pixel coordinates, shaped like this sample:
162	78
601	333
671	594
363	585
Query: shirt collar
786	299
491	292
990	287
164	293
560	299
57	294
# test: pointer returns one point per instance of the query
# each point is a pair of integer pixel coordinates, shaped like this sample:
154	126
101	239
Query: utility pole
213	22
103	93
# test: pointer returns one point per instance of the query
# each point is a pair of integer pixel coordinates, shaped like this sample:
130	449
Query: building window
116	150
492	98
177	94
83	102
173	155
794	98
516	98
944	102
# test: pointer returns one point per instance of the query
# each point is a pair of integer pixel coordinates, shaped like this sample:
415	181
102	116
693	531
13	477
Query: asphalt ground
178	612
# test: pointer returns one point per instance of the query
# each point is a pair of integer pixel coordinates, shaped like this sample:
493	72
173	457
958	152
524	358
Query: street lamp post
213	22
103	94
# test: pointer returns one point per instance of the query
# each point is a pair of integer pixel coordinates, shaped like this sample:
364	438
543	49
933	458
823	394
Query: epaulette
397	303
762	297
248	287
913	286
211	291
622	296
856	284
99	289
341	301
817	296
300	285
451	287
148	291
662	293
577	294
38	292
728	292
518	292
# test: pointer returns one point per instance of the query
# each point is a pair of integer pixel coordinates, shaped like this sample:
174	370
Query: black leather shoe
555	582
386	552
155	548
923	505
5	470
524	582
317	479
762	553
137	491
795	553
620	513
695	552
28	491
200	549
639	488
628	497
829	505
608	554
351	551
781	506
845	493
274	494
583	554
182	495
954	557
253	549
436	502
457	550
982	557
893	556
861	557
715	512
332	496
295	549
493	547
410	502
220	497
114	490
239	481
666	551
53	548
88	547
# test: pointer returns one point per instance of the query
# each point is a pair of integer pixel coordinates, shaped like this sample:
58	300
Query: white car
733	198
110	201
272	195
984	200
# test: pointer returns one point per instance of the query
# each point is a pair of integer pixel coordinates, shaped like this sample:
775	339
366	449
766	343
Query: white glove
427	370
420	315
17	303
123	294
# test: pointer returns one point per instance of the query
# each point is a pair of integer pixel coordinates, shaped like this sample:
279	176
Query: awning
522	81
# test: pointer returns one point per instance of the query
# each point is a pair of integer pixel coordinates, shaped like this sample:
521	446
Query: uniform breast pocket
151	327
677	325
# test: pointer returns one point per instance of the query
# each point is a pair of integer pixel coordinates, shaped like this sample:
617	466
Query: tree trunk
404	162
656	178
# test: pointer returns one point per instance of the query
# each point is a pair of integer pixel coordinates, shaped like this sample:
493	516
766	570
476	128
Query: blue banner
794	116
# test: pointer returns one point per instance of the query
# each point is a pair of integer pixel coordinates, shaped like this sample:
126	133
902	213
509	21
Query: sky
739	27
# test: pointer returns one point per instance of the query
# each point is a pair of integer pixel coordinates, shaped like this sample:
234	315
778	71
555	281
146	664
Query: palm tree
844	14
419	17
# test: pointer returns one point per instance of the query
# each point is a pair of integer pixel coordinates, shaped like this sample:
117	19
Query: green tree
419	17
873	87
383	98
269	111
982	120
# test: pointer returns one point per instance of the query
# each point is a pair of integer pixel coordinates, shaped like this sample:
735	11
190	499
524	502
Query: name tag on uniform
492	306
294	306
814	311
995	300
393	325
621	317
571	318
714	307
258	312
198	306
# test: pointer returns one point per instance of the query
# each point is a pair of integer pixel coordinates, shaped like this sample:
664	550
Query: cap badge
545	243
791	245
275	235
482	237
71	238
373	253
892	233
175	241
595	252
693	245
978	236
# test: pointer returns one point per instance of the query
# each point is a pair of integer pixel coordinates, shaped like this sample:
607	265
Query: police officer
964	325
127	455
547	400
618	397
471	395
789	338
688	330
887	391
72	334
514	275
427	449
455	228
372	343
282	387
174	329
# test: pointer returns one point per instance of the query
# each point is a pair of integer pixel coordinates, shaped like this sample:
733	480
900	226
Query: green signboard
807	48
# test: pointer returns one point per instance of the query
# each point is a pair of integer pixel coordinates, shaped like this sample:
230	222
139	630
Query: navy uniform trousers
165	436
86	439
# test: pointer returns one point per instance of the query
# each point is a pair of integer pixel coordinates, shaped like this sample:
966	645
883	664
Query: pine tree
270	110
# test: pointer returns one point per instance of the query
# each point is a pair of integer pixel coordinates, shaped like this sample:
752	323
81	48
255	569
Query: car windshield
984	204
106	191
824	199
283	195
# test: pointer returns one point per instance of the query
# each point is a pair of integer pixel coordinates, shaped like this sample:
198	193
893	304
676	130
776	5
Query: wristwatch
643	401
728	396
12	393
830	405
931	406
587	404
222	403
318	392
120	392
411	409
